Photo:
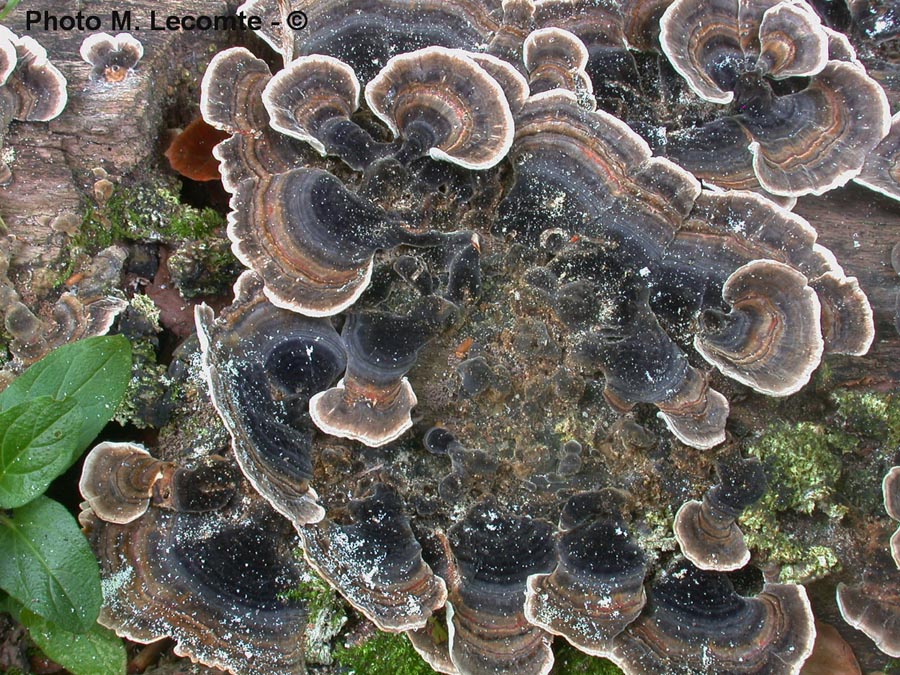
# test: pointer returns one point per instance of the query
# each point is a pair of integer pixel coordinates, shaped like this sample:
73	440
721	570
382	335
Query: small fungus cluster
447	233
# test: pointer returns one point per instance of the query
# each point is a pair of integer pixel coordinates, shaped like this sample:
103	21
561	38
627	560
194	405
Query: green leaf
37	440
94	372
48	566
96	652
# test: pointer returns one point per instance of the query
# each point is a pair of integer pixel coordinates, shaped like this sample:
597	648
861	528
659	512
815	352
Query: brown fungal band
31	88
597	588
771	338
263	364
212	579
377	563
875	610
310	92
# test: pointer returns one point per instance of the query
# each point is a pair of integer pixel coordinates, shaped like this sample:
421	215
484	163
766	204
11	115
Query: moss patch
570	661
382	654
144	213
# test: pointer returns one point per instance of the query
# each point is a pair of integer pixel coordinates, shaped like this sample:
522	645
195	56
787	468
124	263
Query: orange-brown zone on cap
231	98
310	238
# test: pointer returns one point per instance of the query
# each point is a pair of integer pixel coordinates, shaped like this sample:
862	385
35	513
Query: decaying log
115	127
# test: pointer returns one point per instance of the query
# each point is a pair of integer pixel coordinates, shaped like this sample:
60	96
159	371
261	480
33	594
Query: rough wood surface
115	127
861	227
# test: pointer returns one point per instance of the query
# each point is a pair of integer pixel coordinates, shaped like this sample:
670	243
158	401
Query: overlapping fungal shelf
459	262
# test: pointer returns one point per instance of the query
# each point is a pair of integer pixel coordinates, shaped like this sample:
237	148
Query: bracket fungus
442	102
771	339
698	623
881	172
372	402
112	58
377	562
211	577
785	135
873	609
31	88
493	556
890	487
597	588
263	364
446	228
707	530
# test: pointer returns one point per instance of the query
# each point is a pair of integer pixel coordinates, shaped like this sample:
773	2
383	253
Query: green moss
803	462
315	594
798	563
382	654
869	415
144	213
570	661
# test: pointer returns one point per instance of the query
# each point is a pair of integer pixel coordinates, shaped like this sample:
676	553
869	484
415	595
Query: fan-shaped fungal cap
703	43
117	480
494	554
848	324
555	58
771	338
444	104
213	581
231	91
792	42
372	403
310	238
881	172
120	481
875	611
696	413
35	88
376	563
262	364
809	141
513	83
818	138
890	488
597	587
112	58
697	623
307	93
707	531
